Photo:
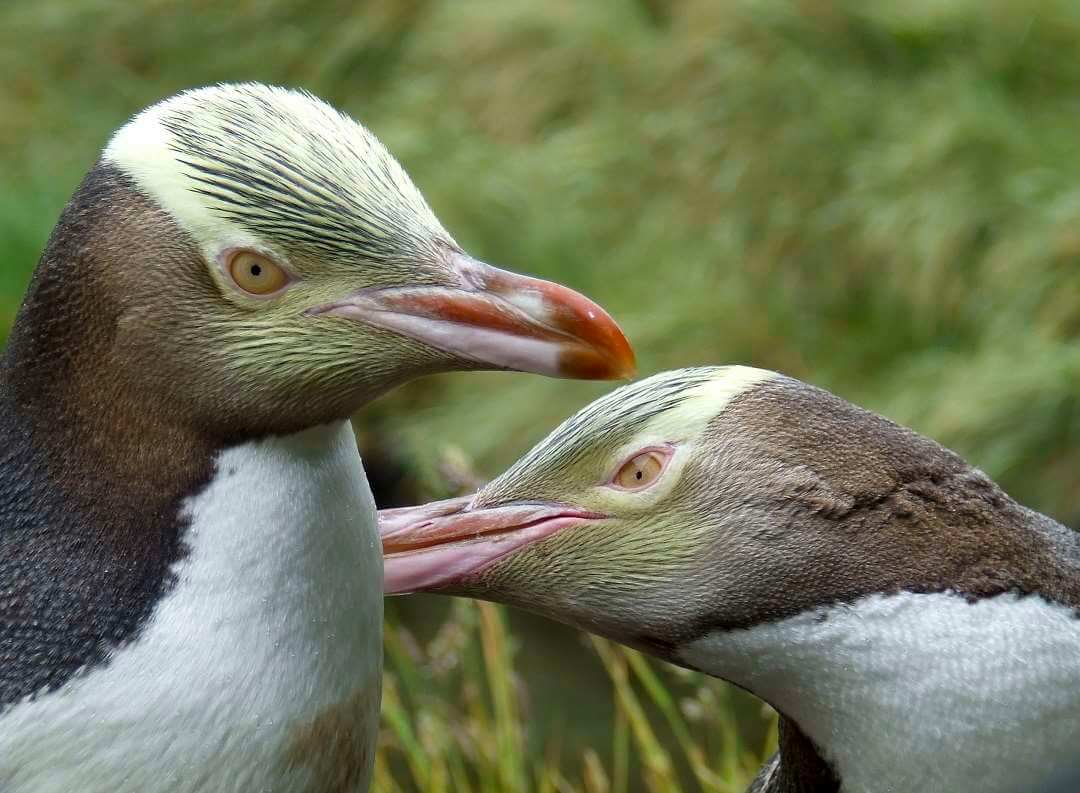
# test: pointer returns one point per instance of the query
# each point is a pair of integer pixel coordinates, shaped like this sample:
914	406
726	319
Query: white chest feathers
912	693
259	671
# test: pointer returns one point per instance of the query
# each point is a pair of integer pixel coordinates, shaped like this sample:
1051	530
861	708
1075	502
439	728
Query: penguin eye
641	470
256	274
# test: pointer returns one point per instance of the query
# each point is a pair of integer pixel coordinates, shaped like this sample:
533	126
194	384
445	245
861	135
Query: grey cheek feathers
833	503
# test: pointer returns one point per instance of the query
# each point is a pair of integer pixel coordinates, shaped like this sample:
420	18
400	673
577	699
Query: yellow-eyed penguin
915	627
190	574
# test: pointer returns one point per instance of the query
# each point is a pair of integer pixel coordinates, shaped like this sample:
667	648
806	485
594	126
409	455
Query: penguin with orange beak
190	571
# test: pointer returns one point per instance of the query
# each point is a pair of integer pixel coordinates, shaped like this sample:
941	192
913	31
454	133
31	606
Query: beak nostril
474	274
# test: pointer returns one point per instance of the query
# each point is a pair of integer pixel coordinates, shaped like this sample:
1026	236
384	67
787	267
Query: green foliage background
881	198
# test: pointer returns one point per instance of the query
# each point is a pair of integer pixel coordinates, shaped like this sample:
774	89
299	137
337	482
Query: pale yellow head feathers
579	457
250	165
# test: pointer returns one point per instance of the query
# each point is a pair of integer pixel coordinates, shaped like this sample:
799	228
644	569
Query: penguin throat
975	696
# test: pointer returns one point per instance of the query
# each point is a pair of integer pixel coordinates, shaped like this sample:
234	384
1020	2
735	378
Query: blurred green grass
880	198
456	713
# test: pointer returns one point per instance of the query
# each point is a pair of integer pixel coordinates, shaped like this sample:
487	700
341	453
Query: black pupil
638	473
256	270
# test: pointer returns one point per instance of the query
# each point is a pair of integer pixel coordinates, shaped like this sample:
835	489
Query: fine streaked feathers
283	165
916	627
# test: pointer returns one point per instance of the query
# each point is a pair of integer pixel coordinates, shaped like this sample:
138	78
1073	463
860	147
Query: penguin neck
71	394
91	497
974	693
267	637
94	470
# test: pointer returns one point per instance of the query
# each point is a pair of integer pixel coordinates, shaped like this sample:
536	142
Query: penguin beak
441	543
500	320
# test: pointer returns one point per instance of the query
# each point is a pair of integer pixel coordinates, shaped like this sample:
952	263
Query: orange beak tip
501	320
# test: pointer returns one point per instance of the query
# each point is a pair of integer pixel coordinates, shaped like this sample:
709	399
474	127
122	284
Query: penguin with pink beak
916	628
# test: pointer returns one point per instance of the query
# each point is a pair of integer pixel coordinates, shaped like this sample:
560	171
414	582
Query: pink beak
433	545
